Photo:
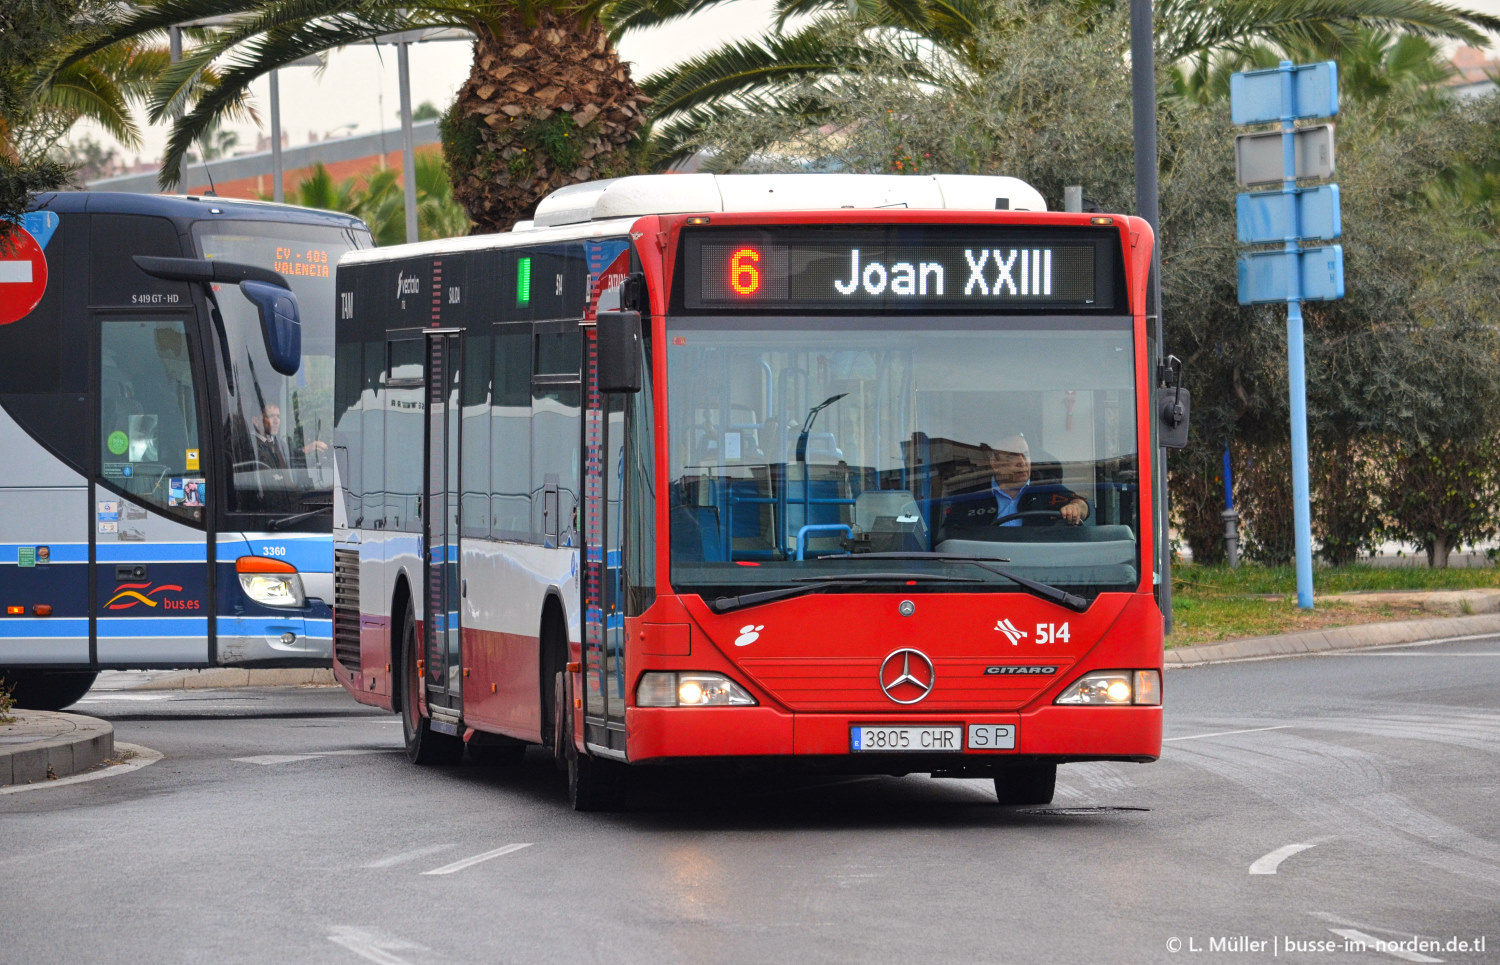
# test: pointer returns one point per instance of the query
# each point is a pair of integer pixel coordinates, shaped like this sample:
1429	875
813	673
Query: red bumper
1072	733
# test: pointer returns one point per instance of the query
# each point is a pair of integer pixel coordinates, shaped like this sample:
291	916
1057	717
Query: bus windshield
797	446
279	431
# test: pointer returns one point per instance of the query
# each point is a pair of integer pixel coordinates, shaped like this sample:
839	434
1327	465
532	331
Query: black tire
424	745
594	783
1026	784
47	689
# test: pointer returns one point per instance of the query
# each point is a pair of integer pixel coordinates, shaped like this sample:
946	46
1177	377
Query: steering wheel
250	465
1052	514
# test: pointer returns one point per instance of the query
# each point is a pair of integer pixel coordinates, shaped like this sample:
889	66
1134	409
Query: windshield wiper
813	584
1044	590
286	521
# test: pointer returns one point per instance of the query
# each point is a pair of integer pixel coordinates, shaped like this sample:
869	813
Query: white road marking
110	697
1226	733
405	856
141	756
373	946
1371	941
1267	864
269	759
449	869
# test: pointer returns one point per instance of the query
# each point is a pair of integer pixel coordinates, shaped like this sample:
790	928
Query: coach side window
148	416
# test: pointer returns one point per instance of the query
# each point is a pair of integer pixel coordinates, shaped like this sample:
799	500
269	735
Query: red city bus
845	472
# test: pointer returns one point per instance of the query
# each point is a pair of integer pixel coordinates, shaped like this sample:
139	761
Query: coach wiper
1044	590
286	521
815	584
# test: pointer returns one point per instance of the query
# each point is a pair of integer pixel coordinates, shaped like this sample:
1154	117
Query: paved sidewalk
39	746
1337	638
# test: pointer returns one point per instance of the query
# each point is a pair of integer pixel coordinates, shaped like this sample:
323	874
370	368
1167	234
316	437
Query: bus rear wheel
1026	784
423	744
47	689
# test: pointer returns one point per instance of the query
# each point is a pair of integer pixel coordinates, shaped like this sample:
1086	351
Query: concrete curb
40	745
1337	638
221	677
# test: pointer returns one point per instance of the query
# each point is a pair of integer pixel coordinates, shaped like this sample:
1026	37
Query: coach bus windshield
279	429
798	448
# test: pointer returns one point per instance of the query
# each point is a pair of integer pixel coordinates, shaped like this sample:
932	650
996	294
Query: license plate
907	738
992	737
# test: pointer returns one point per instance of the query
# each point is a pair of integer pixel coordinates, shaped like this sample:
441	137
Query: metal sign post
1288	216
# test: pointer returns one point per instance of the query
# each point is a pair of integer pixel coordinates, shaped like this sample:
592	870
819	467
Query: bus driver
1010	497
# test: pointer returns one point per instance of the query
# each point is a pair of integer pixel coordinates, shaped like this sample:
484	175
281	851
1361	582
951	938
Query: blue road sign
1300	214
1257	96
1266	277
40	225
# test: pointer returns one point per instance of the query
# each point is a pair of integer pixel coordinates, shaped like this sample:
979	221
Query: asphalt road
1313	804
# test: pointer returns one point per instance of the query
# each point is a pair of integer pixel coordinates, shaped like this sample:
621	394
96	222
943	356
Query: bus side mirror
280	324
1174	407
619	340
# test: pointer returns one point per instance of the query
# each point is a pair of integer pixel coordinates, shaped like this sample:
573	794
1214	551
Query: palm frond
738	68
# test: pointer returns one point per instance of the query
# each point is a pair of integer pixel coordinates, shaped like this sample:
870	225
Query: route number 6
1052	633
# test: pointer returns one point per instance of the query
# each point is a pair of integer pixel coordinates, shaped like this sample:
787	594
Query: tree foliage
533	62
1411	355
948	45
380	200
40	102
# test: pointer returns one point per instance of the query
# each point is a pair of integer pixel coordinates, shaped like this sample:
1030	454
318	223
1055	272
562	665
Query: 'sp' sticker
118	442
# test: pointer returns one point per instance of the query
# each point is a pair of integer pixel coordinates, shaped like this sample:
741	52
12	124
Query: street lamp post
1143	110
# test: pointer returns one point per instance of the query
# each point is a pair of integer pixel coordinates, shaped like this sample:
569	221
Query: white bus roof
648	194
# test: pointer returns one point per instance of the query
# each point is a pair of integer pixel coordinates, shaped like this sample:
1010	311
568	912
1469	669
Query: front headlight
270	582
1114	687
661	689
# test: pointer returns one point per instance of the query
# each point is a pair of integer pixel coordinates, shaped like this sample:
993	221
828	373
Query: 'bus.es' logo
130	595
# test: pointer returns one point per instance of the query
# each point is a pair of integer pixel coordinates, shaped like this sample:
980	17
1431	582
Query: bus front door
148	514
440	528
603	609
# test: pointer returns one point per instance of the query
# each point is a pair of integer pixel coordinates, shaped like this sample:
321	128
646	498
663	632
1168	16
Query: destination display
1004	271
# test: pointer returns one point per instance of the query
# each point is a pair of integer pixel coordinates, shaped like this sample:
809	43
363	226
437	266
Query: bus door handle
130	571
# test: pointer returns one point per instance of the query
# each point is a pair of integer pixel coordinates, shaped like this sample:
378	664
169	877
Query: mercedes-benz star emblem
907	676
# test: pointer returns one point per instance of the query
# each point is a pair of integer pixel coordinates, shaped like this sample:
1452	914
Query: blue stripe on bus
116	627
152	552
60	552
44	627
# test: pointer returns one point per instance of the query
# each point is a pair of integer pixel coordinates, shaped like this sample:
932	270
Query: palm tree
381	203
938	44
39	106
1373	62
548	101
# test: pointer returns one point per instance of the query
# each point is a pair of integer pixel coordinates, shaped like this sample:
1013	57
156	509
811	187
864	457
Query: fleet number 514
1052	633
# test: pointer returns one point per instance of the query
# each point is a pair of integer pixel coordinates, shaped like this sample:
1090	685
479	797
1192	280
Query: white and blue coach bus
166	441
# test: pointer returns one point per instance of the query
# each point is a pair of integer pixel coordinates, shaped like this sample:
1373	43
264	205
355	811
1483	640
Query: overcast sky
359	85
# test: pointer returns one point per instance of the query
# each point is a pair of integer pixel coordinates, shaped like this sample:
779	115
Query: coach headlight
659	689
1114	687
270	582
